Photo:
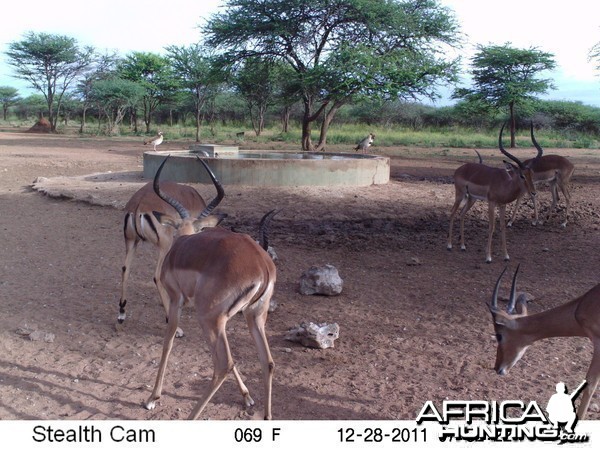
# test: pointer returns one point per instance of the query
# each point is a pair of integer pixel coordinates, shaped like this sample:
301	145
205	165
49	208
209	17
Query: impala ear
499	317
522	305
166	220
208	222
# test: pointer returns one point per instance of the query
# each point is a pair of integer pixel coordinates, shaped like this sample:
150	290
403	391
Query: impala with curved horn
221	272
141	225
554	169
498	187
516	330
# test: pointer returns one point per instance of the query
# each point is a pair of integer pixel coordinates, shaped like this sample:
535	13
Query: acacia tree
257	82
114	96
153	72
9	96
506	77
103	67
50	63
341	49
193	66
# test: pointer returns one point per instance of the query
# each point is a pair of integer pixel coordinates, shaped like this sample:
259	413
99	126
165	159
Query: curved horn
479	155
535	143
494	304
220	191
263	228
183	213
513	291
514	158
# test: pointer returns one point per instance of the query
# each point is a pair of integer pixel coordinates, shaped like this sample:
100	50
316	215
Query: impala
498	187
554	169
221	272
516	330
141	225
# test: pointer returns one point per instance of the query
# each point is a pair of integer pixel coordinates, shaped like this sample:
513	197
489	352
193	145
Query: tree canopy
8	96
153	73
504	76
195	70
340	50
49	63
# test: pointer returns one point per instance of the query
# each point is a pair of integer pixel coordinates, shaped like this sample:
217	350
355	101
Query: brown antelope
141	225
221	272
554	169
498	187
516	330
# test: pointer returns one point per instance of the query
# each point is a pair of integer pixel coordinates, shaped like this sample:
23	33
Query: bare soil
413	316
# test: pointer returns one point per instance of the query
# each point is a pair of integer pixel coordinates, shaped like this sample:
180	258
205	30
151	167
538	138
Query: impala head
511	344
523	171
185	224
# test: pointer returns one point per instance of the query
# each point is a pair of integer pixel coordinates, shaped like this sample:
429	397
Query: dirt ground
414	325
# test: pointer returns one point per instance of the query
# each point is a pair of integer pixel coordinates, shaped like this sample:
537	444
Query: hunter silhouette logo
509	420
561	409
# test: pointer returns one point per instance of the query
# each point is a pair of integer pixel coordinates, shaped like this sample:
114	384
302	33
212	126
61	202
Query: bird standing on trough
156	140
365	143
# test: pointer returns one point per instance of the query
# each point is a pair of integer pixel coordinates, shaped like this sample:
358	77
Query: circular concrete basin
258	168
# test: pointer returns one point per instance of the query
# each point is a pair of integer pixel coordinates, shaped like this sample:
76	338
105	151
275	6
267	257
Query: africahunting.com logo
507	421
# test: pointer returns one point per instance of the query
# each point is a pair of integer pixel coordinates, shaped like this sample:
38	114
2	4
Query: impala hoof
248	401
449	247
463	248
150	405
488	260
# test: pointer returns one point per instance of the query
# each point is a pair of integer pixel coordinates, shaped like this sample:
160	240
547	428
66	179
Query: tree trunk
325	125
307	120
285	119
198	125
199	101
83	113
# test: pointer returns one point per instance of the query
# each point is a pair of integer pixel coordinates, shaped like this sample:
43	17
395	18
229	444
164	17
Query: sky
567	30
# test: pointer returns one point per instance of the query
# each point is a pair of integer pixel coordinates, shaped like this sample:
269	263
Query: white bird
365	143
156	140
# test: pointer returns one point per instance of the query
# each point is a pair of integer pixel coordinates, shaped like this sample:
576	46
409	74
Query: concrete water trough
260	168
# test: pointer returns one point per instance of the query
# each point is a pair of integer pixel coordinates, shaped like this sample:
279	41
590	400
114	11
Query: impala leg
222	361
256	323
514	213
248	401
163	297
567	193
536	217
174	314
503	230
457	202
592	378
470	202
491	226
131	242
554	191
